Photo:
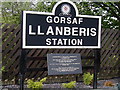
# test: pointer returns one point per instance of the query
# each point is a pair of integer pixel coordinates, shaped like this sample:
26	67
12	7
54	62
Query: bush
36	85
69	85
87	78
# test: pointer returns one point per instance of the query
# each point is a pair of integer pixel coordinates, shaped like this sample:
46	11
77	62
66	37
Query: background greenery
110	11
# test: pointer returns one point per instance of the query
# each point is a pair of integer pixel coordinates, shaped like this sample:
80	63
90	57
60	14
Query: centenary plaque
60	64
63	28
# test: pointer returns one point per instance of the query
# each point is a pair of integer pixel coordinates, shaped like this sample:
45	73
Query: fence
11	47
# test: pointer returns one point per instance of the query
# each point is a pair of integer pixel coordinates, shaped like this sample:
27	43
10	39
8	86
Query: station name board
63	28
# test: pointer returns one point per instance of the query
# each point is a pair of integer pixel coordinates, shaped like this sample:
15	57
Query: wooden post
96	67
22	68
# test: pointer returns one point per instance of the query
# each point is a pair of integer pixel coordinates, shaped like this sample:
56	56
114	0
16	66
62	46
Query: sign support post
22	68
96	67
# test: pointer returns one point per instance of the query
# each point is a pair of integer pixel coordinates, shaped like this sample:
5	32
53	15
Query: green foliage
2	69
44	6
69	85
30	84
43	80
36	85
87	78
11	11
110	11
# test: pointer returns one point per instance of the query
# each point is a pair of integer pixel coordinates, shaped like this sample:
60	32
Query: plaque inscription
60	64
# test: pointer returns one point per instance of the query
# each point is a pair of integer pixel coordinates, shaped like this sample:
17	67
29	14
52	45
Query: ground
79	85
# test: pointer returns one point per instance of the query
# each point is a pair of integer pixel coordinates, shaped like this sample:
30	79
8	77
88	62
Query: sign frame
53	13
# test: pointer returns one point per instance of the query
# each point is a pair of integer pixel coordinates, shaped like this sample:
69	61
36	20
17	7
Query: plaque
60	64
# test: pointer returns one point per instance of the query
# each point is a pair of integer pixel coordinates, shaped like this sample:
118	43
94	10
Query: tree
44	6
11	11
110	11
112	16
